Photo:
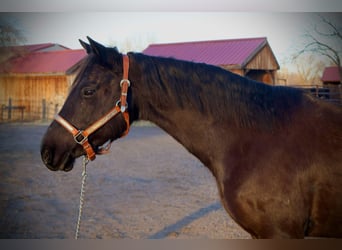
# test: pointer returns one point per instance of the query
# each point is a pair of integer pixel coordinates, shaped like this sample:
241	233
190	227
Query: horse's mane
215	91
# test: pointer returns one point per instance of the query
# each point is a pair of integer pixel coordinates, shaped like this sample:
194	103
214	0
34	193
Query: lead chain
84	177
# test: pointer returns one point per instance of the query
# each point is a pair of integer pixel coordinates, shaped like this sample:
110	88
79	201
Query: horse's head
93	95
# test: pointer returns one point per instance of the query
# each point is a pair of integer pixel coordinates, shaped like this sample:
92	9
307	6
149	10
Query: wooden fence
14	110
329	94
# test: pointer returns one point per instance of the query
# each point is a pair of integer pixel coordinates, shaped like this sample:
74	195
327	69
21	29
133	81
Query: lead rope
84	177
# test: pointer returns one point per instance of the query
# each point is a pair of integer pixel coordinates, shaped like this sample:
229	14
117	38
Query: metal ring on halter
125	80
123	109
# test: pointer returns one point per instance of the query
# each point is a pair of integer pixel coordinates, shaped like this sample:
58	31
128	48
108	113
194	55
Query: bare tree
134	43
309	69
10	36
325	40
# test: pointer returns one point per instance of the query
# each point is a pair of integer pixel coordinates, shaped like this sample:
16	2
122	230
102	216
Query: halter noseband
81	136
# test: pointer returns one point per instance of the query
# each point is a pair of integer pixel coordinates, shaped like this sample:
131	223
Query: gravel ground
147	187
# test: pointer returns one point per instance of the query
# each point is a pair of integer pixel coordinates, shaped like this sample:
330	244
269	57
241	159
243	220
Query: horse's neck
189	128
186	123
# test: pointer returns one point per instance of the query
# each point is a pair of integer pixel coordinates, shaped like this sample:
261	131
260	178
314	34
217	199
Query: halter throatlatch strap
125	84
81	136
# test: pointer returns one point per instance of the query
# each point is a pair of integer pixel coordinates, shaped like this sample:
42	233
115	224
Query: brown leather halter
81	136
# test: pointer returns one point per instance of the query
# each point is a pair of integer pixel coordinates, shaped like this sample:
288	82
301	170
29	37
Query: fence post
56	108
9	114
44	109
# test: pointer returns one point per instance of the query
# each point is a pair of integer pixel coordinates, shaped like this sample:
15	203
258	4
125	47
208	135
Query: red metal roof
34	47
45	62
219	52
331	74
37	47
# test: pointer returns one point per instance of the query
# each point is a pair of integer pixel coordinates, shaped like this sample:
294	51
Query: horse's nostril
47	158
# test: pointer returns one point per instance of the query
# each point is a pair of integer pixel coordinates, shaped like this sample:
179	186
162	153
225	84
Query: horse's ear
85	46
97	48
106	55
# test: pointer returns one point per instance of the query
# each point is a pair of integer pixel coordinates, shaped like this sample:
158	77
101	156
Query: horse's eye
88	92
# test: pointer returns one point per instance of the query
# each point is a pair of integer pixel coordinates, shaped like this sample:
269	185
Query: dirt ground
148	187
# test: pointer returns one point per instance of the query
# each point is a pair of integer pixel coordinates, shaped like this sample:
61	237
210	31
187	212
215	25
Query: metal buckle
82	139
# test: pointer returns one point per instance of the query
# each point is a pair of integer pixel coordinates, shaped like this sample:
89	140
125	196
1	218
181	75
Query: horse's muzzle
66	162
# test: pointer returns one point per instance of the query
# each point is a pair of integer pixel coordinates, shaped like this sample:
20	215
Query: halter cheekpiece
81	136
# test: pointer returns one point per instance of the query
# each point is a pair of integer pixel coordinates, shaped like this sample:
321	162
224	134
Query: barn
250	57
331	76
35	84
331	80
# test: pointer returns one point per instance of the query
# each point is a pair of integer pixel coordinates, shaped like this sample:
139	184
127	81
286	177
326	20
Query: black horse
275	152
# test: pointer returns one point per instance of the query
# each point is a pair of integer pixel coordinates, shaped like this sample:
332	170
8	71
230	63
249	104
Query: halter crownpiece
81	136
